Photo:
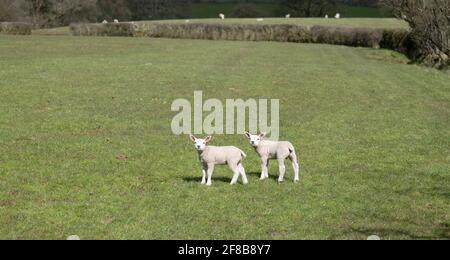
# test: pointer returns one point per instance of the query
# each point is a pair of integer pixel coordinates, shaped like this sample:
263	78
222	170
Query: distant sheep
326	16
222	16
260	20
210	156
288	16
104	22
116	21
271	150
337	16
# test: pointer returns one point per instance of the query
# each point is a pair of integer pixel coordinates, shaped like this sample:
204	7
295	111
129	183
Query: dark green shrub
16	28
120	29
110	29
234	32
357	37
398	40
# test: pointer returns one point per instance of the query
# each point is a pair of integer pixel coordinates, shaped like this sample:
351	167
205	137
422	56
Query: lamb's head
254	139
200	144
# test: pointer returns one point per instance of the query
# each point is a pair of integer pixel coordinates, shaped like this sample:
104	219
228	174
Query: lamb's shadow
228	179
199	179
258	175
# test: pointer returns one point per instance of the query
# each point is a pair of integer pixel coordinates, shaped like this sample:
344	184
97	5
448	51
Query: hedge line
396	39
110	29
16	28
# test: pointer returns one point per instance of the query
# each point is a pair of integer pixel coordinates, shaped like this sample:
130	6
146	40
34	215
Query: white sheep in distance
288	16
260	20
272	150
222	16
104	22
116	21
210	156
337	16
326	16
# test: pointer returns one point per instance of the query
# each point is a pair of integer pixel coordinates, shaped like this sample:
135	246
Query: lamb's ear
262	135
208	139
192	137
247	133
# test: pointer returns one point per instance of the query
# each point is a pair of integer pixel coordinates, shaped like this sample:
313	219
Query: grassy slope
372	134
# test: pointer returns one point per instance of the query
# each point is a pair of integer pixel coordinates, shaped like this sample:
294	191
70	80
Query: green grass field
86	146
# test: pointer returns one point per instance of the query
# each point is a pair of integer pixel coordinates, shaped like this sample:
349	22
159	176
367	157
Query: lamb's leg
235	169
282	170
264	168
204	175
296	167
244	176
209	172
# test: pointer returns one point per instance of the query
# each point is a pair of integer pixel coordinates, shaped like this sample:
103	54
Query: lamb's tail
243	154
291	149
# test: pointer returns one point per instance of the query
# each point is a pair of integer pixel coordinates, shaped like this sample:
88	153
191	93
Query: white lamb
288	16
326	16
210	156
116	21
104	22
271	150
337	16
222	16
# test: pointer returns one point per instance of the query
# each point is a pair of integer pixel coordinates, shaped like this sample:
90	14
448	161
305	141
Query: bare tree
36	10
114	9
430	24
10	10
159	9
68	11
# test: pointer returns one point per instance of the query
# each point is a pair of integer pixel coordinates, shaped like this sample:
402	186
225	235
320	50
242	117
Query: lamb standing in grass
288	16
210	156
116	21
222	16
271	150
337	16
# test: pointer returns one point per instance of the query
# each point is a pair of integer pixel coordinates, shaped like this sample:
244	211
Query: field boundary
395	39
15	28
